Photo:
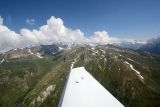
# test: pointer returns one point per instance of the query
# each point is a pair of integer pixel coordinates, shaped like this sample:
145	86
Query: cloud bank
54	31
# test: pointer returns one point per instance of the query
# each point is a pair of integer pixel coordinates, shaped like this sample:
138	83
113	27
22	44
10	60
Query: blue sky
137	19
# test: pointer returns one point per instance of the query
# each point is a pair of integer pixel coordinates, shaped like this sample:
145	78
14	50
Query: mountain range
35	76
152	46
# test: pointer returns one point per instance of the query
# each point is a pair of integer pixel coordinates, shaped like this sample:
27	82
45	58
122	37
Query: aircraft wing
82	90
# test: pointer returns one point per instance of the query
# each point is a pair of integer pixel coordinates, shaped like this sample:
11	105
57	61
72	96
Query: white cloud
100	37
30	21
8	39
103	37
54	31
1	20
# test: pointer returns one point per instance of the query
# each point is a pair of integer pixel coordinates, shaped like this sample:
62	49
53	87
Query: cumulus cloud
52	32
30	21
100	37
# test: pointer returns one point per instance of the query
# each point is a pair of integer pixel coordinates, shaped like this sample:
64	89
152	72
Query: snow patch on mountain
130	59
60	48
102	51
93	54
72	64
39	55
92	48
29	50
2	61
131	66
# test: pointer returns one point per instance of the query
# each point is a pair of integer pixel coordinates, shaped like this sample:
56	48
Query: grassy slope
123	83
57	77
19	74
